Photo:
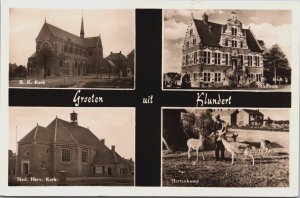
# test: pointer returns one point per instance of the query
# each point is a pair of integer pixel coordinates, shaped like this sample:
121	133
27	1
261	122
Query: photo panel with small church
227	49
237	147
72	48
71	146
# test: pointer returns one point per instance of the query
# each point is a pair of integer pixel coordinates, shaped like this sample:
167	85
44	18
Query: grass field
271	171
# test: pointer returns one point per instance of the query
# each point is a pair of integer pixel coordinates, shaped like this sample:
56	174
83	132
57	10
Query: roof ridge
69	132
36	128
62	30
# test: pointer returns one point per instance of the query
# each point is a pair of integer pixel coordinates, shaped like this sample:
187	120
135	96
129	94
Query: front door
109	171
25	168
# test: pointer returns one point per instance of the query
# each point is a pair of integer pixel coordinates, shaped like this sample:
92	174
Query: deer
196	144
265	147
234	147
234	136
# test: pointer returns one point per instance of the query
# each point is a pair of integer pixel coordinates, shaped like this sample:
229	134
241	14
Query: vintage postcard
227	49
71	147
71	48
226	147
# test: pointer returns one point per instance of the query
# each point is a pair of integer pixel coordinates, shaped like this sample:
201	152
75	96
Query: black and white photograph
52	146
72	48
227	49
225	147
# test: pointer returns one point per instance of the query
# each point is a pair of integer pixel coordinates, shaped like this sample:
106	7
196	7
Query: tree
44	57
269	121
20	71
275	61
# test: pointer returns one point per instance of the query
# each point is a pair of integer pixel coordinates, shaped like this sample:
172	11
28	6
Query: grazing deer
234	147
265	147
196	144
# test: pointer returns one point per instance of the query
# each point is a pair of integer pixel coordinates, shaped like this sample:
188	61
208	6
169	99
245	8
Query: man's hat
218	116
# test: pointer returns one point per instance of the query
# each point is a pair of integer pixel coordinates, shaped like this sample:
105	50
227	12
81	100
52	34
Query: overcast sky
270	26
115	125
117	29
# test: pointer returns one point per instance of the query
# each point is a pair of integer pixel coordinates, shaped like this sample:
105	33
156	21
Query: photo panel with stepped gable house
259	139
71	147
227	49
72	48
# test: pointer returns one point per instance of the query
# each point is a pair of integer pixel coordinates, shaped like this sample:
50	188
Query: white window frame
62	157
218	76
207	77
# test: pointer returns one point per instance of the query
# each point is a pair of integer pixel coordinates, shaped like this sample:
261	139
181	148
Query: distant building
241	118
66	146
123	66
221	54
11	163
171	79
229	116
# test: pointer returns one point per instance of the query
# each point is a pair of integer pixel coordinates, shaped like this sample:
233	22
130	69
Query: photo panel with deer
236	147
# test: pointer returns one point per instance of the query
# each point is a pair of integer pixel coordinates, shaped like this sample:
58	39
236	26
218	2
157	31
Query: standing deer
234	147
196	144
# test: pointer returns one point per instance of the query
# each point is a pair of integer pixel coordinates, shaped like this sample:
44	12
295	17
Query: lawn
270	171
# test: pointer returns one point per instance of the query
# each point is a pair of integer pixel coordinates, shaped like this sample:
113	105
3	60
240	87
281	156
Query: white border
150	191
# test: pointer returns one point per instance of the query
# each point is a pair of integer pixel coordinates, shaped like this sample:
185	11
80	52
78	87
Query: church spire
82	28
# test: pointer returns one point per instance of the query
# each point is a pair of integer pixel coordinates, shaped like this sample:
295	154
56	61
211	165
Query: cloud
271	35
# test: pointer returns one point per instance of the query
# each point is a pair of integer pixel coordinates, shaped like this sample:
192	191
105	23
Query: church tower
74	118
82	28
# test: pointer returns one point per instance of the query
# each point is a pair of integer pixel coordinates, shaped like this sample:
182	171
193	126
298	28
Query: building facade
66	146
249	117
60	53
221	54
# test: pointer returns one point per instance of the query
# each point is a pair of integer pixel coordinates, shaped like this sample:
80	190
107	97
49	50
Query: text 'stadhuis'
219	55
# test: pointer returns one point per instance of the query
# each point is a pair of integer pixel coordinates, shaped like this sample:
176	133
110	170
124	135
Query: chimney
74	117
120	52
110	52
103	141
205	18
113	148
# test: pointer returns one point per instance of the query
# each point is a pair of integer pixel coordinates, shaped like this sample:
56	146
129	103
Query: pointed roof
251	111
210	34
61	131
82	28
116	56
108	157
67	36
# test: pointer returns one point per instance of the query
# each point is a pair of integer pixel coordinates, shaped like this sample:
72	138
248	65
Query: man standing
219	145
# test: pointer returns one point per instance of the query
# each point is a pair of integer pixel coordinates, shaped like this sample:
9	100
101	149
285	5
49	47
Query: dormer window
234	31
234	43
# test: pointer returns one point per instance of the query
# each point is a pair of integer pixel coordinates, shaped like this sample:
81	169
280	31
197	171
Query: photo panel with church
227	49
72	48
237	147
71	146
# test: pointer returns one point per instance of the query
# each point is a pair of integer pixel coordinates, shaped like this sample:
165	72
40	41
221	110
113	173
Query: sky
115	125
271	26
116	27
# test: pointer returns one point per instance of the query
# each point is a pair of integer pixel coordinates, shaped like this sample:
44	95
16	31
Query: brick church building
66	146
216	55
70	55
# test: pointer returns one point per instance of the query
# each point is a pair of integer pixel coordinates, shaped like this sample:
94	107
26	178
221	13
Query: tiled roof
131	53
108	157
208	37
129	162
251	42
212	37
61	131
116	57
251	111
67	36
224	112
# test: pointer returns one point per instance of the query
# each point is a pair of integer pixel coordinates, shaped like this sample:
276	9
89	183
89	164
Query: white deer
265	147
234	147
196	144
